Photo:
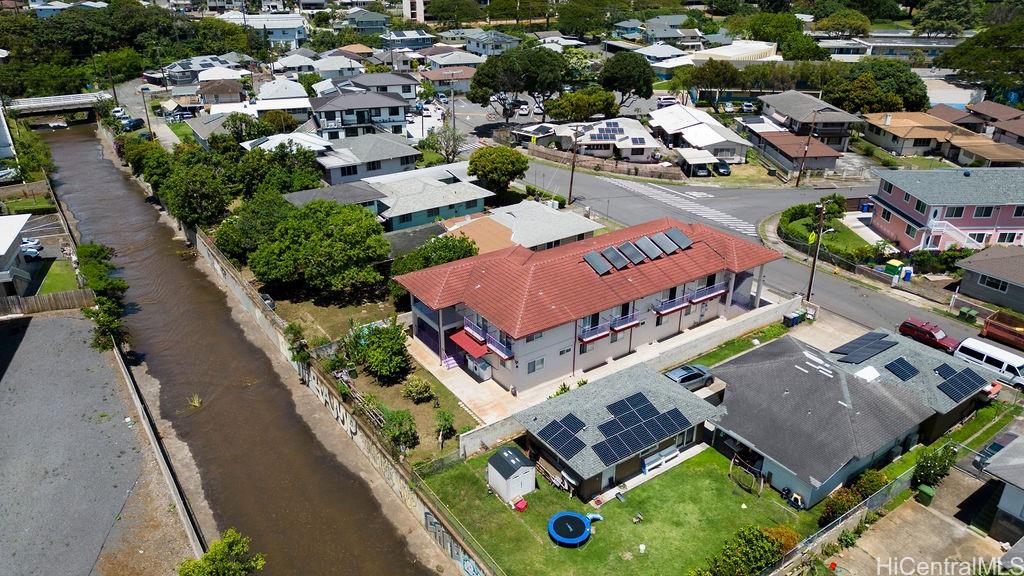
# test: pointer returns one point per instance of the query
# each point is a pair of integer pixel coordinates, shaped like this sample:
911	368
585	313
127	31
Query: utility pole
113	88
572	169
820	209
807	145
145	108
451	93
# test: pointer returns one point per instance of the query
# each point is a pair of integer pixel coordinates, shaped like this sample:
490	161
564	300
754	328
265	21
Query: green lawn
331	320
912	162
59	277
662	85
181	129
29	205
740	345
842	239
430	158
688	512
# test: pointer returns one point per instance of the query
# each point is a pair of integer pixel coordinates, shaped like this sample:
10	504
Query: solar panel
867	352
632	252
613	124
613	256
649	247
639	141
945	371
571	448
667	246
599	265
572	423
667	423
902	369
548	432
560	439
654	428
962	385
629	419
643	435
647	411
605	453
610	428
618	446
619	408
678	418
677	237
858	342
637	400
632	443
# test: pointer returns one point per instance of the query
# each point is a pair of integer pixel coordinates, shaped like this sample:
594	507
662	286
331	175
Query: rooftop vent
967	173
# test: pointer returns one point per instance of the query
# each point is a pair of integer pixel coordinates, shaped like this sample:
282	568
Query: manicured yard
913	162
29	205
182	130
332	321
60	276
688	513
751	174
739	345
430	158
842	239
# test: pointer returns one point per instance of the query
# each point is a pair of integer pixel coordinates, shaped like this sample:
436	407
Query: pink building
937	209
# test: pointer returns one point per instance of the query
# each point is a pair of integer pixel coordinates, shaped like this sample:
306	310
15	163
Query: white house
349	114
455	58
337	67
13	277
683	126
287	30
284	95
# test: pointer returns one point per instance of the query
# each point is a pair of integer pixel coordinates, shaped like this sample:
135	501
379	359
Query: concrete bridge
57	104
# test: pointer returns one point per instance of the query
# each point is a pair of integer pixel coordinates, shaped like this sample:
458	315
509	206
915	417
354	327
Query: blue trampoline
569	529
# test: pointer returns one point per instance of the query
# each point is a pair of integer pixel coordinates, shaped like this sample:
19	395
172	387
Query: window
982	211
534	365
348	170
371	166
534	336
451	206
972	353
433	212
911	231
906	197
1007	237
471	203
922	142
1018	212
565	351
659	320
405	218
710	280
586	347
351	132
396	129
407	160
329	115
887	187
979	237
919	206
993	283
393	111
886	215
615	337
954	212
406	89
994	362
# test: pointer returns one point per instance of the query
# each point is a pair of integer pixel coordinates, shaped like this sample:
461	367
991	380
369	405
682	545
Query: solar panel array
560	435
611	131
603	137
864	347
962	384
945	371
643	248
635	424
903	369
858	342
638	141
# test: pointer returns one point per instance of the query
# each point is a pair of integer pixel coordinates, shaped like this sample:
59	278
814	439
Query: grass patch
752	174
887	159
842	240
30	205
608	174
182	130
662	85
688	512
430	158
898	500
60	277
332	321
739	345
951	316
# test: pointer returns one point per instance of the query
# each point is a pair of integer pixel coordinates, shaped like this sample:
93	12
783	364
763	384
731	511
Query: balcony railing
594	332
473	329
666	306
501	349
946	228
704	293
425	310
623	322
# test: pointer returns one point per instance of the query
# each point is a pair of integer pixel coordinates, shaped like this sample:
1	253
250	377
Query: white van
1009	366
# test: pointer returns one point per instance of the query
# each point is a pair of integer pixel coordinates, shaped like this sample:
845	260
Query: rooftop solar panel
633	444
667	423
632	252
962	385
639	141
610	428
571	448
656	429
616	258
647	411
560	439
867	352
599	264
643	435
613	124
619	408
902	369
618	446
858	342
679	419
548	432
636	400
629	419
667	246
649	247
677	237
572	423
945	371
605	453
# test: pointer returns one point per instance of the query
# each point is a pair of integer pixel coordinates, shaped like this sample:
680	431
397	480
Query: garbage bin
908	272
925	494
790	320
893	267
866	207
802	314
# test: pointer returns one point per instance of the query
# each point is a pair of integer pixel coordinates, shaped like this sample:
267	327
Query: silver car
691	376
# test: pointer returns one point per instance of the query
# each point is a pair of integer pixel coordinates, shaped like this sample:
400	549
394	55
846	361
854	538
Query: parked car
666	101
524	110
493	98
928	333
426	112
728	108
268	301
119	113
747	107
1000	442
132	124
697	170
721	168
691	376
181	115
29	253
31	243
442	99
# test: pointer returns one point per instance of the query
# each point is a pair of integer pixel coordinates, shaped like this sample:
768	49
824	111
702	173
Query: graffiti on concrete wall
449	545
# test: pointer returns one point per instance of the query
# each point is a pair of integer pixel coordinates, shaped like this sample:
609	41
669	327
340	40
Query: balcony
425	311
708	292
674	305
624	322
474	330
500	349
948	229
591	333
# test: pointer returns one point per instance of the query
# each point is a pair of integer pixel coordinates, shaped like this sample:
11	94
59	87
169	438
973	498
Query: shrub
847	539
869	149
418	390
838	503
385	356
444	424
871	517
540	194
831	549
297	345
933	465
784	535
400	429
869	482
749	551
562	389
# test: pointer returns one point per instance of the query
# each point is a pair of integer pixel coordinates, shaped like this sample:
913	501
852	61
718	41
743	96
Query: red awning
467	343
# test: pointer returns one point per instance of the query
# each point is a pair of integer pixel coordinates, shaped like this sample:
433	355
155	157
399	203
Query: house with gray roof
364	22
403	85
352	159
614	429
802	113
1007	467
407	39
659	52
350	114
206	125
490	43
357	193
186	71
810	421
455	58
996	275
631	29
333	67
530	223
423	196
459	35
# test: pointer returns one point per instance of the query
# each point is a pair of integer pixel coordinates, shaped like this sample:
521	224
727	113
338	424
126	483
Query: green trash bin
925	494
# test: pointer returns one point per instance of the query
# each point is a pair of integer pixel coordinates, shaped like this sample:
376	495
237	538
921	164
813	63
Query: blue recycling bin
866	207
907	274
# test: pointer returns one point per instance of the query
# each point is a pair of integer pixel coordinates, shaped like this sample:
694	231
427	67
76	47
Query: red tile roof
522	292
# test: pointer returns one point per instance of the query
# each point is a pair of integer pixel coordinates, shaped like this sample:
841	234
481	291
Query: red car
928	333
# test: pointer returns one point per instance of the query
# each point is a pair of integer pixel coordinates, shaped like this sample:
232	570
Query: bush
838	503
385	356
749	551
869	149
418	390
444	424
784	535
540	194
847	539
562	389
869	482
933	465
400	429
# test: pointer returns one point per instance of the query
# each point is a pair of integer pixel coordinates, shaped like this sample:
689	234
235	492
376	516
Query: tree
825	8
724	7
799	46
629	74
400	429
229	556
582	105
501	76
437	250
452	13
862	95
308	79
385	356
869	482
281	121
543	72
768	27
417	390
836	504
250	226
993	58
106	313
326	247
749	552
895	77
845	23
579	66
715	75
427	90
243	127
444	424
933	465
449	142
580	17
880	9
497	166
946	17
784	535
195	195
779	6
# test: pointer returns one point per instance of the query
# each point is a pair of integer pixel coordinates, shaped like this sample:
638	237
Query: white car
119	113
524	110
747	106
666	101
426	112
29	252
728	108
33	243
494	98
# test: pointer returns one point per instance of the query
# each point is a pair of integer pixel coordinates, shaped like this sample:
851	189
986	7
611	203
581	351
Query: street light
451	91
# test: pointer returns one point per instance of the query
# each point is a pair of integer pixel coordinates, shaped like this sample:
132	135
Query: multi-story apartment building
523	318
411	39
937	209
344	115
363	22
490	43
287	30
403	85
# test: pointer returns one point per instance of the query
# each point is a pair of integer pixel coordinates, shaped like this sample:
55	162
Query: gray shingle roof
1008	464
534	224
999	261
590	402
508	461
383	79
952	187
801	107
357	100
372	147
809	421
340	193
208	124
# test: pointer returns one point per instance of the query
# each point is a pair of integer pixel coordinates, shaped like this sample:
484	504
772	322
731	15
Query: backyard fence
607	164
68	300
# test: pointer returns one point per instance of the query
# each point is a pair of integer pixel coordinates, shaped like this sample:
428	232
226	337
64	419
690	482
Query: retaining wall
488	436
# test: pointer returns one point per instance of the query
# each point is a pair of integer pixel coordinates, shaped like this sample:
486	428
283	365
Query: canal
263	471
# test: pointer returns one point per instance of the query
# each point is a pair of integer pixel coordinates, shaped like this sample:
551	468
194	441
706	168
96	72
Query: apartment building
403	85
523	318
802	113
287	30
349	114
490	43
939	209
412	39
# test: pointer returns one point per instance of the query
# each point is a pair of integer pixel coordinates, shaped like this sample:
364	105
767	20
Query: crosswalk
471	145
684	201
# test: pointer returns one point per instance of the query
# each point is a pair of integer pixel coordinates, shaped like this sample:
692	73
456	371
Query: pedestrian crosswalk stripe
676	199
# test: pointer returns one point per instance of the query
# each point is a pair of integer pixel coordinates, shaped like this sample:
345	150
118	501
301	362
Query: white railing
473	329
623	321
949	229
496	345
588	332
